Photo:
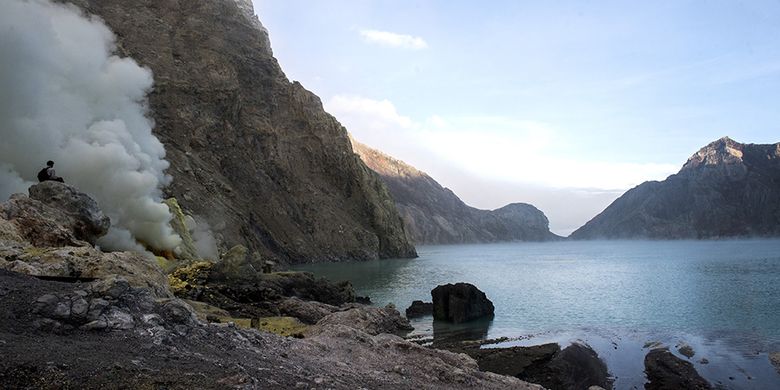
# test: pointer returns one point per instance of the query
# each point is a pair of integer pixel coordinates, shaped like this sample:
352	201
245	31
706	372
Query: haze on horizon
564	106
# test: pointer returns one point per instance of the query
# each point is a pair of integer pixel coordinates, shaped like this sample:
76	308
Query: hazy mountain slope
435	215
726	189
252	152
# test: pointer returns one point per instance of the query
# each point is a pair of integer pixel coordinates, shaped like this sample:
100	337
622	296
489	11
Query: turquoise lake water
722	297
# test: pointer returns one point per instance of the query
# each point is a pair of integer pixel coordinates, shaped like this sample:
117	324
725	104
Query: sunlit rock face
726	189
251	152
435	215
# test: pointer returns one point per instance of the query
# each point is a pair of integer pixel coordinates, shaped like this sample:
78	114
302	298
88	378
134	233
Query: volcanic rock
85	263
575	367
308	312
251	152
368	319
137	342
419	309
726	189
260	295
514	361
686	350
55	214
460	302
666	372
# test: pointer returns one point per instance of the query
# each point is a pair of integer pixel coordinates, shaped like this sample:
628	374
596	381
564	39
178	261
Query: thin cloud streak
391	39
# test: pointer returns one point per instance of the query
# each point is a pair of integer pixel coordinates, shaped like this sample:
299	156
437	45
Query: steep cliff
251	152
726	189
433	214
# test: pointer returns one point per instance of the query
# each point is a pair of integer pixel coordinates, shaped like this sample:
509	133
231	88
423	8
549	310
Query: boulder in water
419	309
460	302
575	367
666	371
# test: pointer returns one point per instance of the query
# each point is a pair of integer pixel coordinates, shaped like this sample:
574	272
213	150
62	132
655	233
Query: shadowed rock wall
251	152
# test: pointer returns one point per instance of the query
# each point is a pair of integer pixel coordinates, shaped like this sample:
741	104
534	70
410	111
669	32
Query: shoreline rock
419	309
665	371
774	358
460	302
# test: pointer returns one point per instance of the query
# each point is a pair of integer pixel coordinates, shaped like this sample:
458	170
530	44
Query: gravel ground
173	356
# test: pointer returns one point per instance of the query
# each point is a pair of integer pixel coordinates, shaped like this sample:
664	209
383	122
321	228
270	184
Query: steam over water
65	96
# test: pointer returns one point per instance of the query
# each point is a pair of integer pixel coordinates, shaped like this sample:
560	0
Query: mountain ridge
725	189
433	214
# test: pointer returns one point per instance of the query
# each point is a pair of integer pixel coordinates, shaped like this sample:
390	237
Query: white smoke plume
65	96
203	238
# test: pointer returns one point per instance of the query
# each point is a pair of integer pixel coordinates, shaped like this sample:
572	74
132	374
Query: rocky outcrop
55	214
726	189
460	302
308	312
108	304
419	309
251	152
575	367
367	319
260	295
433	214
147	343
666	372
49	237
85	263
514	361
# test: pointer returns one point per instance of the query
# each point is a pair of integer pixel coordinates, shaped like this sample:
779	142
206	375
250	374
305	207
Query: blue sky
531	101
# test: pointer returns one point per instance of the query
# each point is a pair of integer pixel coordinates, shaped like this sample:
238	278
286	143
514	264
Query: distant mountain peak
723	151
726	189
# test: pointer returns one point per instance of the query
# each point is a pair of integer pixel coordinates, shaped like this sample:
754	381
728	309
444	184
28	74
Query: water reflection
445	332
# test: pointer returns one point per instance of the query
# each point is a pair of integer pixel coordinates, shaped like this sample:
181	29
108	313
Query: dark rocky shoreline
74	317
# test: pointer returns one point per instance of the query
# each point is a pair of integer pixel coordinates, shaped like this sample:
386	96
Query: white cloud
525	153
490	161
391	39
367	114
495	147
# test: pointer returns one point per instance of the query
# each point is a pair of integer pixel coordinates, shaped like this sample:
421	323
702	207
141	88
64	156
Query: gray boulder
55	214
308	312
460	302
371	320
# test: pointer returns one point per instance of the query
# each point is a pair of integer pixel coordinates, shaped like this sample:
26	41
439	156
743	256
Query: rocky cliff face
433	214
251	152
726	189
